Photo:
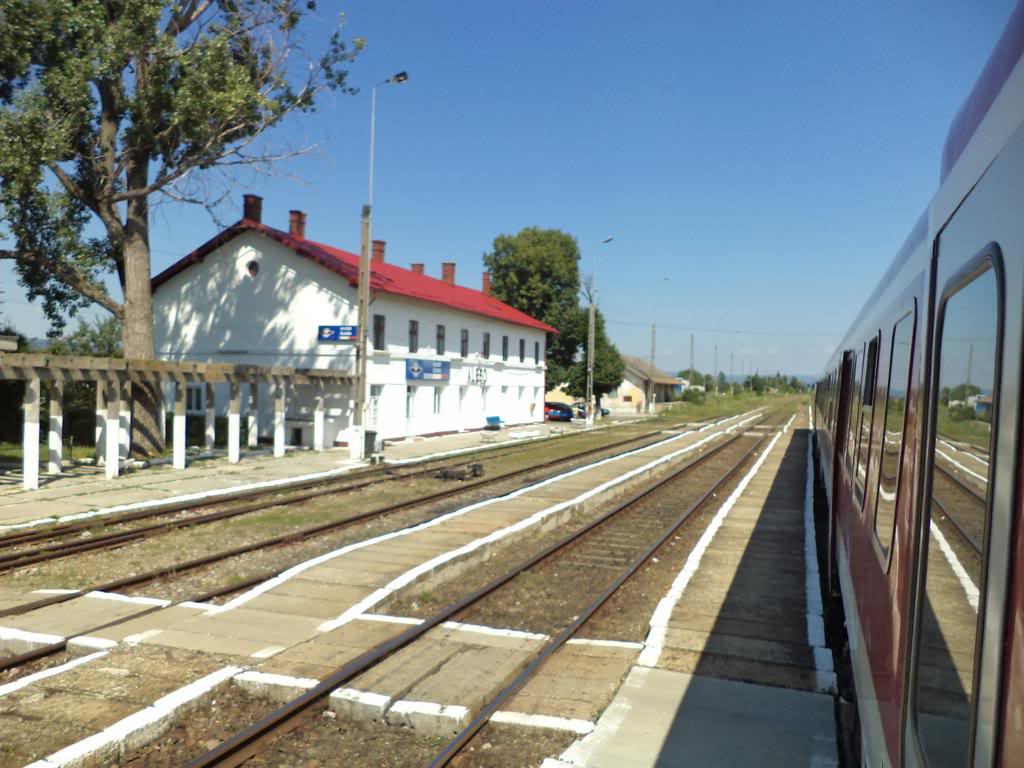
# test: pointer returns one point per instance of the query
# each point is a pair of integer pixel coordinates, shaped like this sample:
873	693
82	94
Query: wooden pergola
114	377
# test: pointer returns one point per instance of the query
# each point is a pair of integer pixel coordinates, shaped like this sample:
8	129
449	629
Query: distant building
983	404
442	357
631	395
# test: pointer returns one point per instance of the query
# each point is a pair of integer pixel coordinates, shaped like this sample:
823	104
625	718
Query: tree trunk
137	329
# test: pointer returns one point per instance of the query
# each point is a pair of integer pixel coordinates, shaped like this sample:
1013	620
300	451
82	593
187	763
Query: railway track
65	540
961	506
51	536
282	540
632	532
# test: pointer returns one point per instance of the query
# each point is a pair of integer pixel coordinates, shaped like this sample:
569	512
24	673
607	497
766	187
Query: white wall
214	311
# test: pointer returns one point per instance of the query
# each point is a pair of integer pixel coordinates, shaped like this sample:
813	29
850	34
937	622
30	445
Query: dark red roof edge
1004	58
313	251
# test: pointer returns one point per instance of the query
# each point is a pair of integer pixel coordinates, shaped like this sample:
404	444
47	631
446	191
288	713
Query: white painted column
235	424
318	418
162	389
101	419
178	427
279	406
210	433
112	429
124	432
30	435
55	443
253	415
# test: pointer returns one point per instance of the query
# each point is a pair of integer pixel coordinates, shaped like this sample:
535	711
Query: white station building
445	358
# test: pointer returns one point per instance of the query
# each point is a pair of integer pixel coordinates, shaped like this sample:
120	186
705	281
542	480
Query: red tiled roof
384	277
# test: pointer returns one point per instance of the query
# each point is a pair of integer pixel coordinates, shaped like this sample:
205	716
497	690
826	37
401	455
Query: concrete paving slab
663	719
74	616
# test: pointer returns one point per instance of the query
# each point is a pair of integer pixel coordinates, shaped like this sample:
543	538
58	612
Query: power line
735	331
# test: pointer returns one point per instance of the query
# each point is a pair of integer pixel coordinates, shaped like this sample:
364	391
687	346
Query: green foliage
694	396
106	104
609	367
537	271
101	338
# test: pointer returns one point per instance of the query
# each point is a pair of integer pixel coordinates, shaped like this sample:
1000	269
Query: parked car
580	407
558	412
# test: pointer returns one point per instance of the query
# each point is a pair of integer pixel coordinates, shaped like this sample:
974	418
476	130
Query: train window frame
989	258
868	385
884	553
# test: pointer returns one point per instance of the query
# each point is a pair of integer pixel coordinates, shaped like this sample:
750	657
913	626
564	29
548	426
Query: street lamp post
591	404
357	445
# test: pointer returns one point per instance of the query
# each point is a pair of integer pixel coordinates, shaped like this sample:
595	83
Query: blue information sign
427	370
327	333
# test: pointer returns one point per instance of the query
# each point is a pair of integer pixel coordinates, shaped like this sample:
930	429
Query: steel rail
956	526
379	475
960	483
248	742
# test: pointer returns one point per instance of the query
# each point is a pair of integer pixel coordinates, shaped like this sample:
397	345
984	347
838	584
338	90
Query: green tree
100	338
537	271
609	367
106	105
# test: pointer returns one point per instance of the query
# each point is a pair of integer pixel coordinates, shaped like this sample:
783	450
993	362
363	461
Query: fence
114	379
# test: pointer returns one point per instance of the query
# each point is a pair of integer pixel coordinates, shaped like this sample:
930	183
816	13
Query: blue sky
767	158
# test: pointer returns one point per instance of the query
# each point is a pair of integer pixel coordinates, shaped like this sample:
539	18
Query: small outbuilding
443	357
639	379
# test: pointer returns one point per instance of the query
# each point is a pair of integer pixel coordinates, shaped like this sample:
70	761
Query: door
968	511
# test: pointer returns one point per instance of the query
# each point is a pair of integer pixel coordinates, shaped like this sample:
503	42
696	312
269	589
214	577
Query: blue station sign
427	370
327	333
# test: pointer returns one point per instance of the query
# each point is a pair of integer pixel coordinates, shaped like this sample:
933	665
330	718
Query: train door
965	526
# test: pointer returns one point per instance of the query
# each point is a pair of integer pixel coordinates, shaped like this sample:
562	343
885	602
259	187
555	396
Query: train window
892	431
857	369
864	421
955	541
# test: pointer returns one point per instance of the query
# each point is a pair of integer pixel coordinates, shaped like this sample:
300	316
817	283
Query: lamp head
401	77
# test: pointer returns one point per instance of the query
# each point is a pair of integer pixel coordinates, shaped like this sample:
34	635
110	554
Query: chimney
297	224
252	208
487	284
378	250
417	268
448	272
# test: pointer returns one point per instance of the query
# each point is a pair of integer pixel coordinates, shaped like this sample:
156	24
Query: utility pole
590	360
715	372
692	369
357	445
730	365
591	403
651	396
970	362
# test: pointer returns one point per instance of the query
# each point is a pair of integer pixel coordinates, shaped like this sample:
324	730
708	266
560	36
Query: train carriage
918	424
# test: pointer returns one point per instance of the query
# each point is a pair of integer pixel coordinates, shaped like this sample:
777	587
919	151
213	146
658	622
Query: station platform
734	671
84	490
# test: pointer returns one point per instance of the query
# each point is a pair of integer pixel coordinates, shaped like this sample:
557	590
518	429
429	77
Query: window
892	432
864	423
955	541
522	350
487	345
856	372
440	339
414	336
193	398
378	332
464	343
536	352
410	396
504	347
437	401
